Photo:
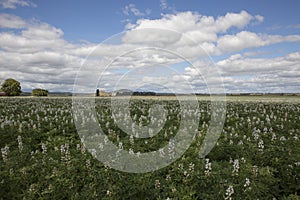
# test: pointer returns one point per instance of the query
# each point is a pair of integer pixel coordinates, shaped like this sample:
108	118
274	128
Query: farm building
3	94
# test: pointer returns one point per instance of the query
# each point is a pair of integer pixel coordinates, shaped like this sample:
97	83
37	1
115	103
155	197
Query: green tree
11	87
39	92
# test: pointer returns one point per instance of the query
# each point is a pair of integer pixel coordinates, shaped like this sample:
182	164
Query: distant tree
138	93
39	92
97	93
11	87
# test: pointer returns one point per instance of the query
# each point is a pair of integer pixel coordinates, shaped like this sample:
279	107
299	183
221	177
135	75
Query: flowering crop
256	157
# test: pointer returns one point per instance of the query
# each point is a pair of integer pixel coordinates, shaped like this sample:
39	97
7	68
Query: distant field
263	98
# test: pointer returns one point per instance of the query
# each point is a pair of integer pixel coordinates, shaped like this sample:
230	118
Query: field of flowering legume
256	157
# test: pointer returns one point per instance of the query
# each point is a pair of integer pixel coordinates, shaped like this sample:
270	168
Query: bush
39	92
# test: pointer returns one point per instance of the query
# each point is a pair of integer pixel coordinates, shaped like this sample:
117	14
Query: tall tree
11	87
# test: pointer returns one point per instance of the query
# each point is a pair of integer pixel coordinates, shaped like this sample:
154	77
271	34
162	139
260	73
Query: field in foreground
256	157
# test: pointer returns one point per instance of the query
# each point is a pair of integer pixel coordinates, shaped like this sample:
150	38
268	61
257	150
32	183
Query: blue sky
255	44
94	20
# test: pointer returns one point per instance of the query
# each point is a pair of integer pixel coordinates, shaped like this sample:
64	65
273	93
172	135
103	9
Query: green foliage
11	87
39	92
43	157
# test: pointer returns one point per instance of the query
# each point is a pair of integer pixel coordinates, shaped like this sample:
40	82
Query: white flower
93	152
255	135
171	149
296	137
20	144
138	154
4	152
186	174
236	166
100	146
131	139
88	163
247	183
82	149
65	154
157	184
161	153
180	166
192	167
282	138
261	145
255	170
44	148
120	145
229	192
131	151
105	139
168	177
207	167
11	171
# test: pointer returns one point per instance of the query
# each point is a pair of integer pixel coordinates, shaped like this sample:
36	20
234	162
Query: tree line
12	87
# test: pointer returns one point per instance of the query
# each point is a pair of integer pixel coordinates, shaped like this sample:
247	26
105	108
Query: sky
207	46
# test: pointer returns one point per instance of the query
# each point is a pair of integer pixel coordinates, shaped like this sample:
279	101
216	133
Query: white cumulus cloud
11	21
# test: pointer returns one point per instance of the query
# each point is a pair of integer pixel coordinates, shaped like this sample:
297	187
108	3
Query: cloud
34	38
246	39
243	74
242	40
239	20
295	26
205	33
280	74
165	6
150	36
237	64
11	21
37	54
42	31
13	4
192	21
202	29
259	18
131	9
